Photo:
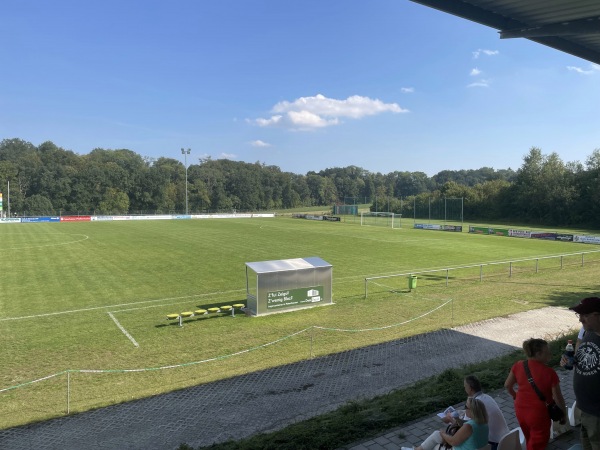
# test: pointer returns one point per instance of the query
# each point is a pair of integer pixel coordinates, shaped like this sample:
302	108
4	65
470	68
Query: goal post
380	219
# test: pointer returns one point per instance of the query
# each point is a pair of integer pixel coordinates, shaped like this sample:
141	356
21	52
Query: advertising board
294	297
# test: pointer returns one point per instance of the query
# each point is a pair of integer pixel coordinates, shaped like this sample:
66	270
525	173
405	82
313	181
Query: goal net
381	219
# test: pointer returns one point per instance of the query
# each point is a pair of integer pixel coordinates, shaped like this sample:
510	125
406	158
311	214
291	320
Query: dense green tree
544	189
51	180
114	202
38	205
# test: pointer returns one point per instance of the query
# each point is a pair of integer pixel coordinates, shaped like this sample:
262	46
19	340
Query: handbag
451	429
556	413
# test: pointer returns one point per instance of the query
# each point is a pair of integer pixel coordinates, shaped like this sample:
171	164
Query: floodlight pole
185	152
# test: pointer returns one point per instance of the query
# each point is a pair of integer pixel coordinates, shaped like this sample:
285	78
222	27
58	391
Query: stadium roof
571	26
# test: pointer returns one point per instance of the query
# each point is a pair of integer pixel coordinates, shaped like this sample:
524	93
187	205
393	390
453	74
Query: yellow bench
180	316
203	312
239	306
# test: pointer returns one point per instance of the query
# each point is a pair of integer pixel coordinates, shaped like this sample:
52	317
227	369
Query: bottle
569	354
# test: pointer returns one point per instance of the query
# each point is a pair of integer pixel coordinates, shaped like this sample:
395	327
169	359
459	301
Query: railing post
510	269
480	273
68	391
537	260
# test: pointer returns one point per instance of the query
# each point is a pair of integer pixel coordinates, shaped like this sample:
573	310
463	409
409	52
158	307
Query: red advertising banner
76	219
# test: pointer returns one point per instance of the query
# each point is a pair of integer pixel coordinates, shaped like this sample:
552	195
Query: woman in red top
532	412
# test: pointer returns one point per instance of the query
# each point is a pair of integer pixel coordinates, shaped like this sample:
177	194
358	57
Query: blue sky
304	85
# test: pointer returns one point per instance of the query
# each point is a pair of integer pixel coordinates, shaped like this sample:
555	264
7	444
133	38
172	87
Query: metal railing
481	266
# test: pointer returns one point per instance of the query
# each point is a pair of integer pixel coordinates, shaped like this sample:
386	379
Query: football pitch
83	305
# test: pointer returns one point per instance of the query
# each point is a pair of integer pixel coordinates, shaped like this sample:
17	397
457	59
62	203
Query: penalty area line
130	337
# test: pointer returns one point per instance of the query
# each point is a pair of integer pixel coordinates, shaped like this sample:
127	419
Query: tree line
49	180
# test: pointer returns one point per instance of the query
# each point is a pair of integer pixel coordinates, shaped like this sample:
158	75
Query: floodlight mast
185	152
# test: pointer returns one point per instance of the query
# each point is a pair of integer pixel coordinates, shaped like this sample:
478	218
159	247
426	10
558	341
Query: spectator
530	410
471	436
586	372
496	420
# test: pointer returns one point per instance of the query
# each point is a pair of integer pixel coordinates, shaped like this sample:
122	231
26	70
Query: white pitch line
130	337
94	308
85	237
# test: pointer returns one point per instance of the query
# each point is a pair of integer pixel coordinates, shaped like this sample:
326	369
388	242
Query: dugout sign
294	297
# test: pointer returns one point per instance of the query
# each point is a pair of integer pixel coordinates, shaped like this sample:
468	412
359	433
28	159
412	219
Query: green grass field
85	303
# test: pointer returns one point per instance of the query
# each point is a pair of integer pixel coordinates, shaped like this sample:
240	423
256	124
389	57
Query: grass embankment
364	419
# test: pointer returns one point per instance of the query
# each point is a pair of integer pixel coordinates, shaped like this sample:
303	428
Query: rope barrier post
312	331
68	391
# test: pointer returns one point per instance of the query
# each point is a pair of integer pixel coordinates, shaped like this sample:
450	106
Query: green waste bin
412	282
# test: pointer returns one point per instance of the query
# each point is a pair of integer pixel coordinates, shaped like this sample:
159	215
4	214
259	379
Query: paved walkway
272	399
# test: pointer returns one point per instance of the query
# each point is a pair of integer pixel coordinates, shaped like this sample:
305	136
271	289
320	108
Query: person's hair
473	382
533	346
477	411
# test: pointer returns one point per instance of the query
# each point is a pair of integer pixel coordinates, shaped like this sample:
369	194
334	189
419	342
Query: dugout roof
283	265
571	26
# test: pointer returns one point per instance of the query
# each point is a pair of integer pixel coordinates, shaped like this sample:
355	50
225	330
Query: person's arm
509	384
448	418
459	437
559	400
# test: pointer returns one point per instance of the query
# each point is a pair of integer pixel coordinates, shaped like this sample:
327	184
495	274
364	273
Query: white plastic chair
574	415
522	439
510	441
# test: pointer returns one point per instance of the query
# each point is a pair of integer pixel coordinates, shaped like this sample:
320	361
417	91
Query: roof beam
589	25
473	13
564	37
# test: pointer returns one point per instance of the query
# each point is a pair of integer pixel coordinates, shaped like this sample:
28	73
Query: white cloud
306	113
480	51
474	72
259	143
480	83
594	68
407	90
273	120
228	156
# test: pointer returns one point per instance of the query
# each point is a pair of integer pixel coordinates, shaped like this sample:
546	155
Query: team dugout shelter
287	285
